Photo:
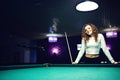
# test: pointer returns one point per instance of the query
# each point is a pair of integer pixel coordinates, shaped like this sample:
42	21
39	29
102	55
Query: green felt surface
62	73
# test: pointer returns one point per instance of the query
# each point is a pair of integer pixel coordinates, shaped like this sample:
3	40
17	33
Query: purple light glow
111	34
79	47
55	50
52	39
109	47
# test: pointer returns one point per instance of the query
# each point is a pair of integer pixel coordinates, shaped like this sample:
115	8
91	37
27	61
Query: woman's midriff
91	55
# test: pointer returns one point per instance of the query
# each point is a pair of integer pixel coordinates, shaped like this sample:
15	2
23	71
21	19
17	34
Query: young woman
91	42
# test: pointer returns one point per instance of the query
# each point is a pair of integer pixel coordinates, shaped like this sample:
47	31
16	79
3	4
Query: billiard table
49	71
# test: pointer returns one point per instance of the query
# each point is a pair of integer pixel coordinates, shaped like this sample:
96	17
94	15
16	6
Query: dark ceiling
33	17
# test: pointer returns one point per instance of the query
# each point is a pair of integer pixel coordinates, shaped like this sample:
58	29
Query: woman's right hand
74	63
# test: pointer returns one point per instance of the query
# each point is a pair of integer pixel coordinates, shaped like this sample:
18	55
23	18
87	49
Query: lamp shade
87	6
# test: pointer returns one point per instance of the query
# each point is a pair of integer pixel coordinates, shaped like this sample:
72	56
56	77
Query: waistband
91	55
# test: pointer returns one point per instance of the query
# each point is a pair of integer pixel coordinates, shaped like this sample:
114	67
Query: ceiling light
54	35
111	29
87	6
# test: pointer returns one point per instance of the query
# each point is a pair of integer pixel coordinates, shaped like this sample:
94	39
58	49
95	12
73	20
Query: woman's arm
105	50
81	52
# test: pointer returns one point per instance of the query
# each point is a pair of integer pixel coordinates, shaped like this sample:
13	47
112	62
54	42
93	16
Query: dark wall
115	46
16	50
46	57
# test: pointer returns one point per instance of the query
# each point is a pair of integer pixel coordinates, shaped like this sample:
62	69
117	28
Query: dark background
33	17
23	24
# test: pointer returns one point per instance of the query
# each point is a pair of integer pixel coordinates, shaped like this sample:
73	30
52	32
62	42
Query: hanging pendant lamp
87	6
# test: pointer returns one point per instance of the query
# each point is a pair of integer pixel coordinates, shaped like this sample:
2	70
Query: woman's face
88	30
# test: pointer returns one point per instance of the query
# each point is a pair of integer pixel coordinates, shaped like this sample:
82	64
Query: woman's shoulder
100	34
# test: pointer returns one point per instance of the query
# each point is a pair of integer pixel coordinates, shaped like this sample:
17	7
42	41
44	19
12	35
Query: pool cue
68	47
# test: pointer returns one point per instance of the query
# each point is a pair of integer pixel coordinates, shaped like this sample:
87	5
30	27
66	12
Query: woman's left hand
115	62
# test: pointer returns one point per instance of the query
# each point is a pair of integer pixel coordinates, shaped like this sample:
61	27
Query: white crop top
92	47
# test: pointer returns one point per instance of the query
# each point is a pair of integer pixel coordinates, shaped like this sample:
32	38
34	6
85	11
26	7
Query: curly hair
94	30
